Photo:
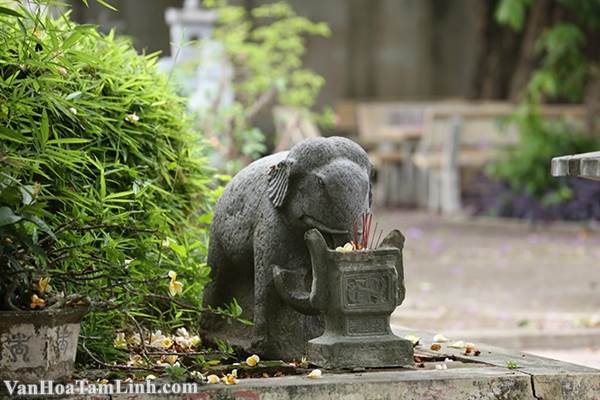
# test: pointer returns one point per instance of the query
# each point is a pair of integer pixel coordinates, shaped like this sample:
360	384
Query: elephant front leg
284	317
266	301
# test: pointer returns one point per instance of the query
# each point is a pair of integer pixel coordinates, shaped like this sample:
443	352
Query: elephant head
323	183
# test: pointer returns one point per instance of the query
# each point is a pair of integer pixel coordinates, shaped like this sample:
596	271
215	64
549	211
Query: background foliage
564	68
264	46
114	170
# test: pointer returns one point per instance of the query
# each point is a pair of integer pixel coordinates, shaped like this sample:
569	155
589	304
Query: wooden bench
390	132
467	137
421	148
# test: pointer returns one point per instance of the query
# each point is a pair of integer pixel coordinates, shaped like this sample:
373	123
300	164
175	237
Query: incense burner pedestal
356	292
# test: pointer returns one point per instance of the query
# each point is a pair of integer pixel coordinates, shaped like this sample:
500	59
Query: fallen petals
253	360
230	379
132	118
197	376
37	302
458	345
348	247
439	338
43	285
134	340
120	342
413	339
175	287
469	348
315	374
436	346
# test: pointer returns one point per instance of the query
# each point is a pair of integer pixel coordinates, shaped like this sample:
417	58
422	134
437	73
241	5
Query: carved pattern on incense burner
366	326
366	290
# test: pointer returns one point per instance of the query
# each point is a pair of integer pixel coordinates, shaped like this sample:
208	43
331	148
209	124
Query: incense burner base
361	352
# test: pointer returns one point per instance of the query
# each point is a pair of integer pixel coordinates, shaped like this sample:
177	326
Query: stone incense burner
357	291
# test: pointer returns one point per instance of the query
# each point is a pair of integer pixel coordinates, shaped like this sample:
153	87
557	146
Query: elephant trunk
289	284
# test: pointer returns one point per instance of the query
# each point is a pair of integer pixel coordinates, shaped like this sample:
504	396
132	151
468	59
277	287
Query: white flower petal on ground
439	338
315	374
182	332
134	340
195	341
457	345
413	339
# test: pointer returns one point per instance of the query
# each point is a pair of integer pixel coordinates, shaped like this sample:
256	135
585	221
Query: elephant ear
279	176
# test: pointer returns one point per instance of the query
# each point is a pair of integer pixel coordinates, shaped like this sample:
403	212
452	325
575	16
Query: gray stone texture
258	227
357	292
483	377
585	165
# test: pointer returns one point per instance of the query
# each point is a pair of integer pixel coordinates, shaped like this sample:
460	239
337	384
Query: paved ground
587	357
464	278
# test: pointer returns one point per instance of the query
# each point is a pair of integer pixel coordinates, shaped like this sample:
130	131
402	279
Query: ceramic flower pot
39	345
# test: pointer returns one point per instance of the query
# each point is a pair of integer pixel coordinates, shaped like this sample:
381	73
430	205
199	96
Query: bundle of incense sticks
365	239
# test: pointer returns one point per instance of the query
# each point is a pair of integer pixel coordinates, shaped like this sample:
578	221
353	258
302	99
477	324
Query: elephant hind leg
229	280
215	292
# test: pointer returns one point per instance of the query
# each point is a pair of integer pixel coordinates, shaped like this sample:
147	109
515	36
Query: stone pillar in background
208	86
450	174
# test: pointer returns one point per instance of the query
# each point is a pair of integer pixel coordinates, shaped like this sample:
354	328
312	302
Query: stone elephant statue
257	252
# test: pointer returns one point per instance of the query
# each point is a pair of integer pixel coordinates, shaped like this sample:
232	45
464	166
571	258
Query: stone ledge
452	384
586	165
485	376
523	338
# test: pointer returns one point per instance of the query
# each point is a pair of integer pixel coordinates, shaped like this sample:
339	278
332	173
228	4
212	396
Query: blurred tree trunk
497	55
538	19
361	38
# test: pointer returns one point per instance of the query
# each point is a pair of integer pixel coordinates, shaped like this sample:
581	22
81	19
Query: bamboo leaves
109	191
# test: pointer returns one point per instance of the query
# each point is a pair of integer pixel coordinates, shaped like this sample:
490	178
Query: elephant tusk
313	223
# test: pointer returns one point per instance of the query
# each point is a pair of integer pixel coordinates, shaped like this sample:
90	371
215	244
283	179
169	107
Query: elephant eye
320	181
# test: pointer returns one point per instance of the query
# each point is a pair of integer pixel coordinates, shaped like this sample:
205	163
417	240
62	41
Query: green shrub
562	73
119	176
526	166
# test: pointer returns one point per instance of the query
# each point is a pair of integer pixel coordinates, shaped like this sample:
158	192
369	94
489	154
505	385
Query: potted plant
40	325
